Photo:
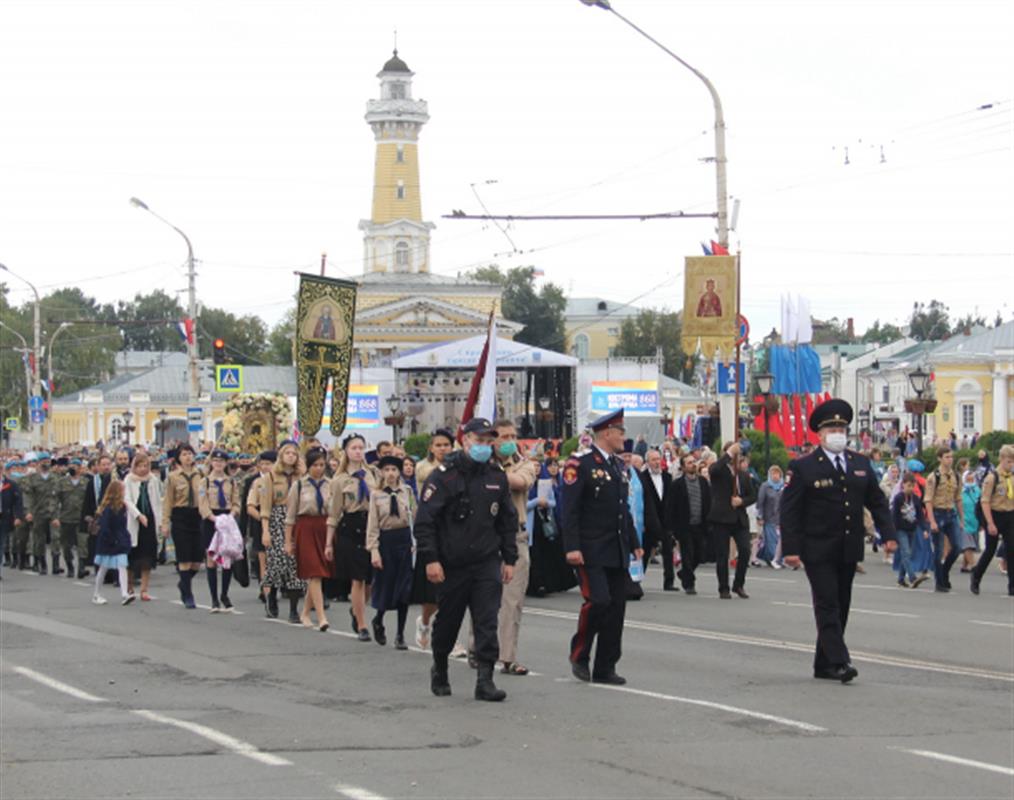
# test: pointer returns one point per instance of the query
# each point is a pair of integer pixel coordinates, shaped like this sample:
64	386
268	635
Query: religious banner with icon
709	305
324	324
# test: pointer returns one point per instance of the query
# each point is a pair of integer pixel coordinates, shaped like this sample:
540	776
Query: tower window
400	191
400	158
401	253
397	91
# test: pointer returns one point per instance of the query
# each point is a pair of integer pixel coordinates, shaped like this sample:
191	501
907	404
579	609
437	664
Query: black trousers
1004	521
831	589
693	546
604	590
722	534
477	588
665	542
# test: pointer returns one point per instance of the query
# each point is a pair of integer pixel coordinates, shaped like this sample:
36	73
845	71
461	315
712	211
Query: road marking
743	712
82	583
356	793
223	612
797	647
230	743
996	624
59	686
965	762
852	610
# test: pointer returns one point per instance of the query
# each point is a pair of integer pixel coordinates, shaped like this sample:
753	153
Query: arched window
116	429
401	256
581	346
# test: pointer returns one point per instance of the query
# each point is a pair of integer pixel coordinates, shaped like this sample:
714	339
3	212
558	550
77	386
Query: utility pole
36	391
49	378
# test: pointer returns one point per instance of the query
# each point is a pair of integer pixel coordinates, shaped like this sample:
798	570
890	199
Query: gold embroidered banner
324	322
709	305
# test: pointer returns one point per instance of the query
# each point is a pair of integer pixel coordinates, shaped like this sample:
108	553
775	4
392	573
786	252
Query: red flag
789	432
798	419
473	391
811	437
718	250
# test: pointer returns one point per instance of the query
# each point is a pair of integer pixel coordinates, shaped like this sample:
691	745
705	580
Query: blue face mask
480	453
507	449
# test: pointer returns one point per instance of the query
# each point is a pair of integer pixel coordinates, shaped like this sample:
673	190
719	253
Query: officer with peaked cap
598	538
822	528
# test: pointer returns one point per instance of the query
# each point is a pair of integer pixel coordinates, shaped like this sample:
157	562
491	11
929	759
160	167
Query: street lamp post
720	160
920	382
49	378
163	415
37	335
665	420
395	419
127	427
194	384
25	350
764	383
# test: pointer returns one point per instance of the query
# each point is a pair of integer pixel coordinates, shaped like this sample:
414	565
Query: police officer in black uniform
598	537
822	528
466	532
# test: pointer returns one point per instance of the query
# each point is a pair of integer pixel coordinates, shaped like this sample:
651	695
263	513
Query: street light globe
765	380
919	380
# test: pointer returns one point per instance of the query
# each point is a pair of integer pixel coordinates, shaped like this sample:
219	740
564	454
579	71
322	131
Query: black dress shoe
670	588
974	585
612	679
690	590
725	595
741	593
942	589
580	670
842	673
379	634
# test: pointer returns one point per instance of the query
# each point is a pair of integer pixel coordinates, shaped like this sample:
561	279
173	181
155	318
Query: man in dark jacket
94	492
466	531
688	506
598	538
12	509
822	528
656	483
732	490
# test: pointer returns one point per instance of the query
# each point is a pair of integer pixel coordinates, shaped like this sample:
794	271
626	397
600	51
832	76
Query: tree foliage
884	333
245	337
541	312
929	323
149	321
642	335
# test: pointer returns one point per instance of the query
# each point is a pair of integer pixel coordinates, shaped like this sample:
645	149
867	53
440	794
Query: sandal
145	597
514	668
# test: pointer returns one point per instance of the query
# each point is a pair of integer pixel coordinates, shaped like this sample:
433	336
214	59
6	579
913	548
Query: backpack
978	503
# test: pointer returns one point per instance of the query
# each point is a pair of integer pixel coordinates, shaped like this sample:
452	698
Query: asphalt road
154	701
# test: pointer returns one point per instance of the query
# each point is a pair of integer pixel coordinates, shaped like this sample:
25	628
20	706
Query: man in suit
657	527
822	528
94	492
598	538
731	492
687	509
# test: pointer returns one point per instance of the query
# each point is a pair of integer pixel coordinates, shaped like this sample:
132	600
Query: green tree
929	323
149	321
831	331
967	322
541	312
882	334
280	340
84	353
641	336
245	337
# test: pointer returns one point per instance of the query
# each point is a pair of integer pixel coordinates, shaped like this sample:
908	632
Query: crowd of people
311	526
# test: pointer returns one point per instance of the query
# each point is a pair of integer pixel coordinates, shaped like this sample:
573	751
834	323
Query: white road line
798	647
743	712
59	686
230	743
208	608
964	762
356	793
996	624
853	610
82	583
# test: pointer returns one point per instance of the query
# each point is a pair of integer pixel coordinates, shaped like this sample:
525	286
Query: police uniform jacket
596	517
822	512
466	514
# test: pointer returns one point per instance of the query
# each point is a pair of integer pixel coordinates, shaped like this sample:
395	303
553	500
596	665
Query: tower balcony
397	111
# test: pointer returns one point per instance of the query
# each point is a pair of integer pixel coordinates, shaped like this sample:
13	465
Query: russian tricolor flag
185	328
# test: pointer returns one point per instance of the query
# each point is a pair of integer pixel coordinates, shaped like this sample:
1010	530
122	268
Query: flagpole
735	426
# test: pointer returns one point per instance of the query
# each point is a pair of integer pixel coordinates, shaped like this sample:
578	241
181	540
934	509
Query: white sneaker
775	565
129	598
422	634
99	600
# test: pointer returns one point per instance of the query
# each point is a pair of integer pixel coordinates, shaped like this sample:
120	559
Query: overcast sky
242	123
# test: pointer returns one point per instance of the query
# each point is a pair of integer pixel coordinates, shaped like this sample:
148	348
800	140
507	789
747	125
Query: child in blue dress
112	545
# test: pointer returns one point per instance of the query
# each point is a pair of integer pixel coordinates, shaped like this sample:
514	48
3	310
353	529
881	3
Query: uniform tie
364	491
190	488
222	502
394	501
320	495
839	465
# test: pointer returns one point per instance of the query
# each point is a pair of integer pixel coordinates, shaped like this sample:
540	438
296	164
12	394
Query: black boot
82	571
40	565
439	684
294	609
485	689
56	565
22	559
272	605
68	556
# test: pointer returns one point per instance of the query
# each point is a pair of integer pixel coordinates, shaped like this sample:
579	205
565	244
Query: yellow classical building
974	382
593	326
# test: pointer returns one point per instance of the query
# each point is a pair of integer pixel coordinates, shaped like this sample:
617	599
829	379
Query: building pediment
423	312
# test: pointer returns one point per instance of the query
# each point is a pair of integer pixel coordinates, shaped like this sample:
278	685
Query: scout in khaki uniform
943	506
181	518
306	510
218	494
998	511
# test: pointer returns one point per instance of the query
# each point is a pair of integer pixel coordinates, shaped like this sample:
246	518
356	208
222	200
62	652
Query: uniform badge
493	509
429	491
860	473
570	473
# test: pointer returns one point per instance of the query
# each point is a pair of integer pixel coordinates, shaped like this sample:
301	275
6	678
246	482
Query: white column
1000	402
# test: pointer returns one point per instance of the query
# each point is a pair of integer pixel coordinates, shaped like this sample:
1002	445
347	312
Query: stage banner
709	305
362	407
638	398
324	323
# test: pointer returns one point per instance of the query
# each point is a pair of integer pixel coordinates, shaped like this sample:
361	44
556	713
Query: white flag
487	392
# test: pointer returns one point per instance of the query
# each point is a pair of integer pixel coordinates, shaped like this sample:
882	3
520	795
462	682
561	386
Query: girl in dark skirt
182	519
219	495
346	526
144	509
424	591
306	533
281	574
389	540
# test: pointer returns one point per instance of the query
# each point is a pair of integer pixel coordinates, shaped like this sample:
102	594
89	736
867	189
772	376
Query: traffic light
219	354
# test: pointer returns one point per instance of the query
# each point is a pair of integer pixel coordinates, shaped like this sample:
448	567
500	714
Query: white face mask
835	442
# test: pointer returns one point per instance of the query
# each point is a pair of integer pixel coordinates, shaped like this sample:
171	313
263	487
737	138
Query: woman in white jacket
143	498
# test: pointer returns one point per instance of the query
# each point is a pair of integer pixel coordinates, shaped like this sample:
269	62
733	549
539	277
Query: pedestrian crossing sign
11	424
228	378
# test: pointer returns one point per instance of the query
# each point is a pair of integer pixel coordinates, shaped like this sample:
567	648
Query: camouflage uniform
41	502
70	494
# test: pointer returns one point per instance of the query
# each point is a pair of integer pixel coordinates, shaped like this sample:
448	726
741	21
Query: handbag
241	572
548	524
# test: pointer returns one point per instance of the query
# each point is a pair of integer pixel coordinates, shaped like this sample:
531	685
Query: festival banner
709	305
638	398
324	323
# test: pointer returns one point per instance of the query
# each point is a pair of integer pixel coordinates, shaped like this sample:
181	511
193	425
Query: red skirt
310	534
